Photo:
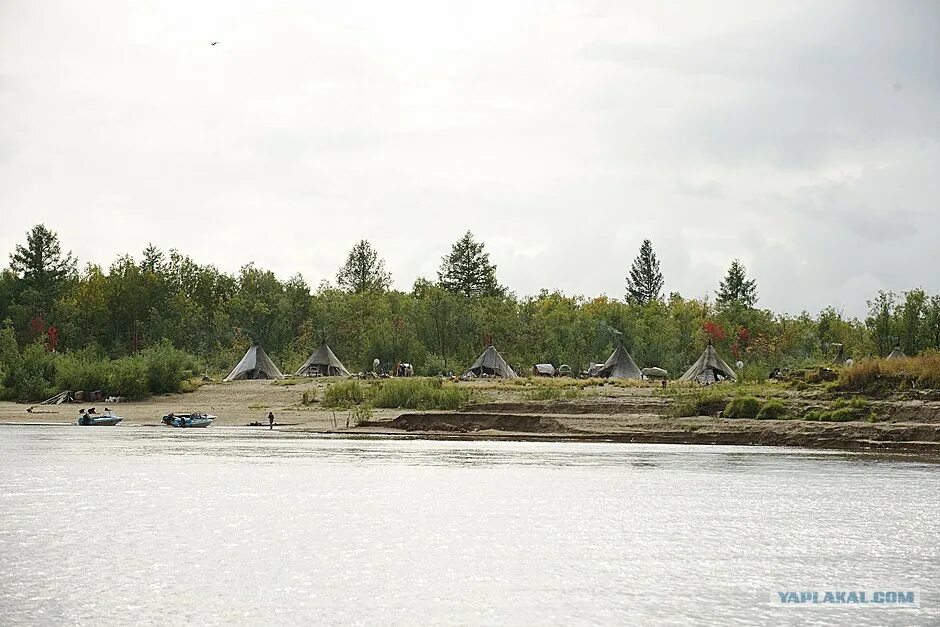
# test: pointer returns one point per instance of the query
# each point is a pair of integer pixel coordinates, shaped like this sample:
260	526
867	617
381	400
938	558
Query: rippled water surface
131	525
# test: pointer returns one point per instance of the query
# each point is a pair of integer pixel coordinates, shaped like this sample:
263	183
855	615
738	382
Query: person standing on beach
270	420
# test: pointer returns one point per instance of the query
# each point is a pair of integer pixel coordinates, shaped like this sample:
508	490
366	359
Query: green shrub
84	371
742	407
129	377
772	410
752	373
167	367
343	394
32	374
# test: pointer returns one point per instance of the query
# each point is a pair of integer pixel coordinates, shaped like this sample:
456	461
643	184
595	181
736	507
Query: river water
220	526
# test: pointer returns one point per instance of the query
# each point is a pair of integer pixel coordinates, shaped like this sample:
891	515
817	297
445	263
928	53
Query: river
228	525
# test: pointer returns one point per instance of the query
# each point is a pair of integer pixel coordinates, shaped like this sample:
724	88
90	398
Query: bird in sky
212	43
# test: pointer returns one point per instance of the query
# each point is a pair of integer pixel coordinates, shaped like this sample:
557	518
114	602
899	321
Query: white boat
192	420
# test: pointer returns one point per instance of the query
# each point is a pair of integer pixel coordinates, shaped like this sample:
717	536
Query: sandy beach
622	414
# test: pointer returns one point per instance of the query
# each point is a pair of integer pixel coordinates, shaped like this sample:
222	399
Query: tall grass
343	395
418	394
880	377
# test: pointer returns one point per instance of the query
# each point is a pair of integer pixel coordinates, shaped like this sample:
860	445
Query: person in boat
81	416
271	420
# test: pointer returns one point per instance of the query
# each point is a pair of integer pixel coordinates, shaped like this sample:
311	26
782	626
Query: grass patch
418	394
360	414
772	410
882	377
309	397
343	395
842	411
553	392
192	384
745	407
543	393
707	402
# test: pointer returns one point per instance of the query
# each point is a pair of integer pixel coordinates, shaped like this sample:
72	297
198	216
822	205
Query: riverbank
607	413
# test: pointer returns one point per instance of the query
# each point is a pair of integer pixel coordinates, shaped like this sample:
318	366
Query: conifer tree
364	270
467	269
736	288
645	282
40	267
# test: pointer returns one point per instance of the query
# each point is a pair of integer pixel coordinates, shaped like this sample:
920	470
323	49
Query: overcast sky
801	137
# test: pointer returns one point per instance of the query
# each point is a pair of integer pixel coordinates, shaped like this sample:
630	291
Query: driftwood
62	397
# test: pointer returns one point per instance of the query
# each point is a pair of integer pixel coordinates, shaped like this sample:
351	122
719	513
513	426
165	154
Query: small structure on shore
897	353
255	365
543	370
839	359
654	373
619	365
322	363
710	368
491	364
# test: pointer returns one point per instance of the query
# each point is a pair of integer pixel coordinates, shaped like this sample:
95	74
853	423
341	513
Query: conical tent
322	363
491	363
255	365
897	353
709	368
620	365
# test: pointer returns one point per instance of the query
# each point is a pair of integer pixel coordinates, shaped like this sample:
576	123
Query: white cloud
802	138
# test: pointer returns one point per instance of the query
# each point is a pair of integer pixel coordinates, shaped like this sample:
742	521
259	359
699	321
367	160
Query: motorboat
95	420
191	420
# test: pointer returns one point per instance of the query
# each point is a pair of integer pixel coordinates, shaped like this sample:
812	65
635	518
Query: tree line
166	307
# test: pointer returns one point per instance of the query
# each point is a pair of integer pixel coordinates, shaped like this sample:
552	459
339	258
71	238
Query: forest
149	322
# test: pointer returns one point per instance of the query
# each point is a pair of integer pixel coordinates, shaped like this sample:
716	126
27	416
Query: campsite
807	412
463	356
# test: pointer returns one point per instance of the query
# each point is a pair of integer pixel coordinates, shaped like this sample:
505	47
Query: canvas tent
897	353
322	363
255	365
709	368
491	363
620	365
543	370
